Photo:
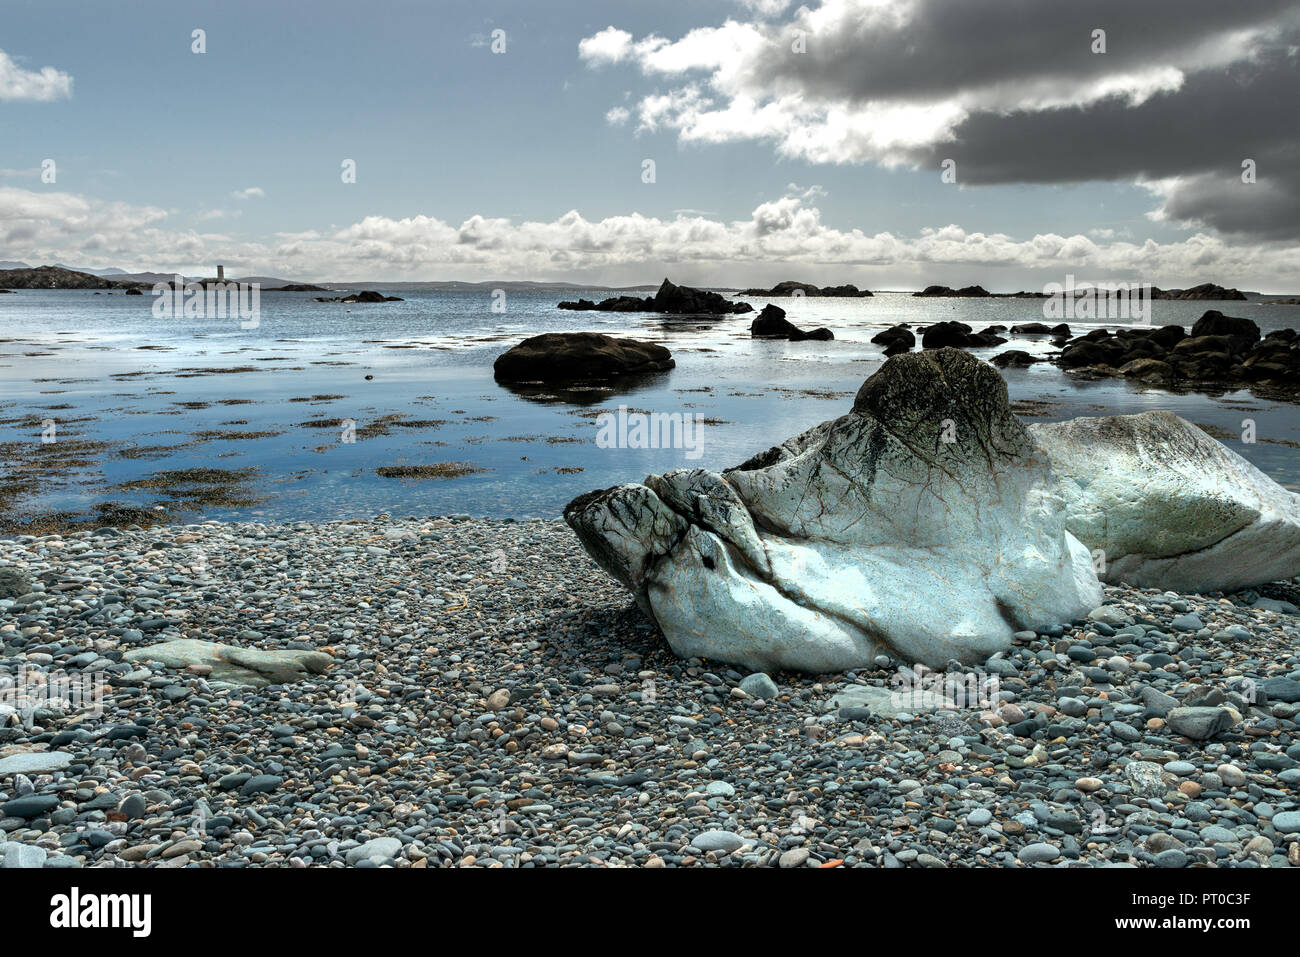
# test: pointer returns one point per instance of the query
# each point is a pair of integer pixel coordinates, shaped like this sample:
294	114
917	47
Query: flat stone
1040	853
24	856
717	841
36	762
795	857
1200	723
376	849
29	806
246	667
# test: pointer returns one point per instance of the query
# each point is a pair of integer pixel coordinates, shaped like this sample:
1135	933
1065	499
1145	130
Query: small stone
759	685
261	784
24	856
1231	775
1171	858
717	841
377	849
795	857
1040	853
182	847
1200	723
35	763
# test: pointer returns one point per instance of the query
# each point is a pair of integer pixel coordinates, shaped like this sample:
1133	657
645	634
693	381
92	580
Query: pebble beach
456	692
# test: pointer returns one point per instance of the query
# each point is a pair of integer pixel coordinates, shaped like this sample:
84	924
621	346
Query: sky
888	143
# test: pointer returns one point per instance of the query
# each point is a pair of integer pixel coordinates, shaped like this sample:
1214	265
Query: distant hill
57	277
111	271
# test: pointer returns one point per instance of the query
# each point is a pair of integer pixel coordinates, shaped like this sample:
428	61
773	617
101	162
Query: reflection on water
415	380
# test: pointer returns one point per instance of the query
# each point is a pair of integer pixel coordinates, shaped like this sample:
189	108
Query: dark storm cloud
1200	133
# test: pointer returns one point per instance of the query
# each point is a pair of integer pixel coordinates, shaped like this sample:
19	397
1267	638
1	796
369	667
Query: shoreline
494	699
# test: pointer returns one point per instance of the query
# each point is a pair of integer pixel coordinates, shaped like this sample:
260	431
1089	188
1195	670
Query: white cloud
35	86
610	45
617	116
843	81
249	193
784	233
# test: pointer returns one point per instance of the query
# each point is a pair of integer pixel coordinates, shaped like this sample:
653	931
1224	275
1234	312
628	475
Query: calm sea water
182	393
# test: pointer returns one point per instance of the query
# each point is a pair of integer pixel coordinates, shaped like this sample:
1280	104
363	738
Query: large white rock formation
1168	506
931	524
926	523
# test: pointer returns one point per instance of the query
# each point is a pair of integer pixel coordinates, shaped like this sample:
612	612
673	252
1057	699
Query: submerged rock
925	523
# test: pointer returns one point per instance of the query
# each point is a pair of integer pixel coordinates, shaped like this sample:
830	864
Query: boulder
1169	506
1215	323
1151	371
895	339
771	323
930	524
924	523
1014	358
943	334
13	583
579	356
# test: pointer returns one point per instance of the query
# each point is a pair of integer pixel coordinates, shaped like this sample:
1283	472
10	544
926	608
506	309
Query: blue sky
154	145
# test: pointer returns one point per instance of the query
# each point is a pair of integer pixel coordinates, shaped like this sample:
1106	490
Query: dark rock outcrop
958	335
895	339
579	356
1014	359
366	295
771	323
1222	352
671	298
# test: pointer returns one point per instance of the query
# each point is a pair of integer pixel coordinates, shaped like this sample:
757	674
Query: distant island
976	292
56	277
792	288
366	295
1206	290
